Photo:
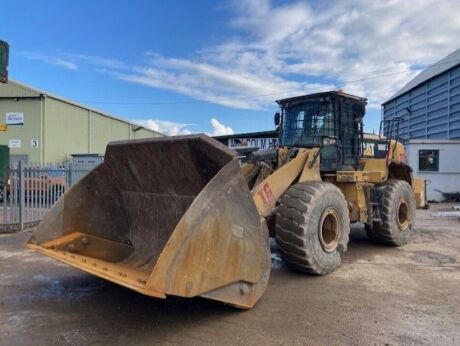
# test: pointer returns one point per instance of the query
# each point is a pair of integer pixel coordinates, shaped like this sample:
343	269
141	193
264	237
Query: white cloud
169	128
272	24
51	60
371	48
219	129
368	48
99	61
219	85
349	41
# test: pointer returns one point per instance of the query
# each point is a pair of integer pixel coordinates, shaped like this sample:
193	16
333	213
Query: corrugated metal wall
70	129
431	110
65	130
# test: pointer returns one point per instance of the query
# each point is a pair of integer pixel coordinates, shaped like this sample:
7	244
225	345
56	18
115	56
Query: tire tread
292	219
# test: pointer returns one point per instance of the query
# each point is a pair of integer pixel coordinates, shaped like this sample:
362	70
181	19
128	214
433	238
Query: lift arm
267	193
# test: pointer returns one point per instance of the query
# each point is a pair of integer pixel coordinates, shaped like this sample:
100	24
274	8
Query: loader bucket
164	216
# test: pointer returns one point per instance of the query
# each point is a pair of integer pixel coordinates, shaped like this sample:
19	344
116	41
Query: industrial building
47	128
260	140
428	109
246	142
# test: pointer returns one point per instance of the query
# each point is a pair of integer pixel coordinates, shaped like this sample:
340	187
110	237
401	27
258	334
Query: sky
183	67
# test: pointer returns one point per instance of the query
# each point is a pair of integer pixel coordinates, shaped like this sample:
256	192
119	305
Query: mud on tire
312	227
397	212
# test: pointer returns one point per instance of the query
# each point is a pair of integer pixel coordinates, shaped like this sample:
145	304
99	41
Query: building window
428	160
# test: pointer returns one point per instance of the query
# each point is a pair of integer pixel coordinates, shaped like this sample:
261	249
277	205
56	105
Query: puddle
277	261
72	288
433	258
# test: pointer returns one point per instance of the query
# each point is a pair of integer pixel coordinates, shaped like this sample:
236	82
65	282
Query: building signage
34	143
261	143
14	118
14	143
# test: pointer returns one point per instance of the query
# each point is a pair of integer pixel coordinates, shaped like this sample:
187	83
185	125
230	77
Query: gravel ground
379	296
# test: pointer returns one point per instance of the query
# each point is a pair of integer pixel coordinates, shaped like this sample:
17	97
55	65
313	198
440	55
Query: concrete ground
380	296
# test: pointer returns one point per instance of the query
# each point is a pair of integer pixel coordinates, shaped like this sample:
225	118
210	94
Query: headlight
328	141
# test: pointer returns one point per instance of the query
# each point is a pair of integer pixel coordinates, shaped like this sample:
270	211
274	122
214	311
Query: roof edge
76	104
444	60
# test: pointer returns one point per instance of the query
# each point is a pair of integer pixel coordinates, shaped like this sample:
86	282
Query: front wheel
312	227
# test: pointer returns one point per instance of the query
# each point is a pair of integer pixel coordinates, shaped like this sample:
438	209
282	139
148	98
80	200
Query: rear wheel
397	214
312	227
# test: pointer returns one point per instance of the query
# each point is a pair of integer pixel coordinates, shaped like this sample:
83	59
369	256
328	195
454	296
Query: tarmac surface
379	296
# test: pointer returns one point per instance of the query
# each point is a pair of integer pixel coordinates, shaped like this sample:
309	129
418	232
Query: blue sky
217	67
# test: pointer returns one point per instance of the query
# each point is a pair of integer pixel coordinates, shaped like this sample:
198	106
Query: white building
438	161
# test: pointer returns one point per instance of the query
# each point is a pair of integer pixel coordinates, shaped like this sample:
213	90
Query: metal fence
33	189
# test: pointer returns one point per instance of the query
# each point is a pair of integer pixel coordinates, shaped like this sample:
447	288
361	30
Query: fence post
21	195
5	199
68	170
4	191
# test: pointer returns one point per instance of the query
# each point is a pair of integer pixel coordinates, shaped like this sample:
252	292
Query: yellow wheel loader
180	215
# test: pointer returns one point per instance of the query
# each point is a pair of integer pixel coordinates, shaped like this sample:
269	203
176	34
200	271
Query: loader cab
331	120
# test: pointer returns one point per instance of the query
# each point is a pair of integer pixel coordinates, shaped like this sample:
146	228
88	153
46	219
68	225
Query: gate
33	189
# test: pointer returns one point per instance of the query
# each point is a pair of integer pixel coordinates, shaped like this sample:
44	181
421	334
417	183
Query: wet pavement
379	296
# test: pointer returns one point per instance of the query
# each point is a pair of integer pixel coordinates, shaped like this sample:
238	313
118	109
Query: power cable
236	98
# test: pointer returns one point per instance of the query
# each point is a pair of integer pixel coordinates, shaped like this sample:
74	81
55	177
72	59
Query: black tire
312	227
397	212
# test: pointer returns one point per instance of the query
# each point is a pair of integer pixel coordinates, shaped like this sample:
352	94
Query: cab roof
282	102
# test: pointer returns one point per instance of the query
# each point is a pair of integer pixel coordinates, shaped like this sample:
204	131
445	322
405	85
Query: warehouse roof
14	89
275	133
441	66
261	134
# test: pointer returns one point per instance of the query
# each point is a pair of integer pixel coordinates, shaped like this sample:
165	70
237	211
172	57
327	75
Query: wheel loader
180	216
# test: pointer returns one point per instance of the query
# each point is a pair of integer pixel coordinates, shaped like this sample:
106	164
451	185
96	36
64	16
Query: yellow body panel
376	165
311	170
396	152
267	193
361	176
356	200
418	185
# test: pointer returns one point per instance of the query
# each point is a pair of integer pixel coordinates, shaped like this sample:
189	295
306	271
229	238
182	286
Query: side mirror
277	118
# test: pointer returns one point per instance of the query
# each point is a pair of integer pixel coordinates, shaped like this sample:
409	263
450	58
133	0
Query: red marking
268	191
261	194
266	194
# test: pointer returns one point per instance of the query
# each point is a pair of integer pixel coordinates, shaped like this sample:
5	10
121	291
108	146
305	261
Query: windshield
304	124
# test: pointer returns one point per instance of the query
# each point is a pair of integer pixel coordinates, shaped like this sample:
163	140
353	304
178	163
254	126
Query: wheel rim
329	230
402	215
